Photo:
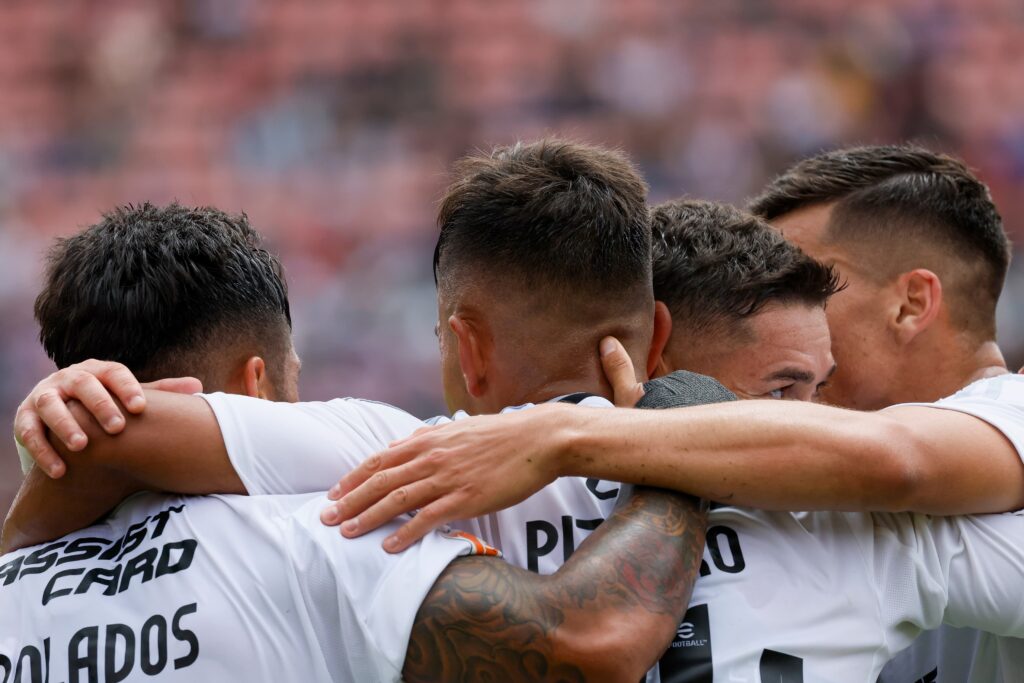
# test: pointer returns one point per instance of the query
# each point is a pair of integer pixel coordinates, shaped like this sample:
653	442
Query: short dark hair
898	193
553	213
159	288
715	266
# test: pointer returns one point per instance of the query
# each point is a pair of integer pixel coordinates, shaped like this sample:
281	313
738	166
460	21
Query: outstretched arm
607	614
174	445
776	455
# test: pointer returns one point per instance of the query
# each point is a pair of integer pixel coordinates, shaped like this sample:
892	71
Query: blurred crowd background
331	123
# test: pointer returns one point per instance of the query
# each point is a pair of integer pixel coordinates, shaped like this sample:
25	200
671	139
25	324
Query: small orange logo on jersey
479	547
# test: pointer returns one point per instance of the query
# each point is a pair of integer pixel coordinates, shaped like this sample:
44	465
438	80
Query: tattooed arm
607	614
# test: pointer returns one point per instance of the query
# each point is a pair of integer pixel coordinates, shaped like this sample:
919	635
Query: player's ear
254	380
919	303
473	352
659	339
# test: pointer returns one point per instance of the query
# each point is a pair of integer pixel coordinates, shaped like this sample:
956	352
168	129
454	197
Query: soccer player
753	301
775	579
257	588
921	245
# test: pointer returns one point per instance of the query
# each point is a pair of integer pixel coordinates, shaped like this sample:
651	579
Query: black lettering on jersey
592	484
114	670
110	578
31	661
7	666
168	566
688	659
41	560
49	593
161	519
9	571
778	667
142	564
133	538
534	549
735	563
82	549
155	625
929	677
89	661
184	635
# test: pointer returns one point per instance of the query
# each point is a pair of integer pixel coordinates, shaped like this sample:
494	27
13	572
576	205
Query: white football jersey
216	588
954	655
301	447
784	597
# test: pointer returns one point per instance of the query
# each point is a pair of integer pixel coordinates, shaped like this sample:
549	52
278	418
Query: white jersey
784	597
953	655
299	447
217	588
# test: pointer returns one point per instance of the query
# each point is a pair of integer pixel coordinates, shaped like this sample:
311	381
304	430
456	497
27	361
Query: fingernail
55	470
607	346
136	402
330	515
76	441
115	422
391	544
335	492
351	526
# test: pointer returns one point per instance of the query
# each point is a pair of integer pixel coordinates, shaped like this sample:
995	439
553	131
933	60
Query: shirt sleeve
284	448
361	601
962	571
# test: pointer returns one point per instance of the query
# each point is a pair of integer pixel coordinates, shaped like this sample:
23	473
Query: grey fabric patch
681	389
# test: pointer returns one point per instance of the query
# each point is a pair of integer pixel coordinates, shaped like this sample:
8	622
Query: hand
95	384
618	369
460	470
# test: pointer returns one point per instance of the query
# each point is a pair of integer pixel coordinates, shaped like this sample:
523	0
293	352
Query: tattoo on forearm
486	620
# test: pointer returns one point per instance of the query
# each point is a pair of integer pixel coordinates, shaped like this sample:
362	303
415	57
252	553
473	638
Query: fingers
426	429
31	435
177	385
428	519
117	379
87	389
383	496
618	369
395	455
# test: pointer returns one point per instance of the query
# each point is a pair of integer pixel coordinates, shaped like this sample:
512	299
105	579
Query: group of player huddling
216	555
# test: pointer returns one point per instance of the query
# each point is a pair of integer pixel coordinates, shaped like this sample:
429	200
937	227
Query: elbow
617	648
896	467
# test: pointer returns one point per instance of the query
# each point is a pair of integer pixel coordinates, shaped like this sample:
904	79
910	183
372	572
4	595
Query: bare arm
777	455
607	614
174	445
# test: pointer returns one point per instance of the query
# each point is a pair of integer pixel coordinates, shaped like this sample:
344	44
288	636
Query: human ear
920	301
254	378
659	339
472	353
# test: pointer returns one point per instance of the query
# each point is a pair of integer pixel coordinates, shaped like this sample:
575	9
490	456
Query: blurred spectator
331	124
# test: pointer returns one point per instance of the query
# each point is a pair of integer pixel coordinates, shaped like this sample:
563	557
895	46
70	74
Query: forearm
766	454
46	509
609	612
174	446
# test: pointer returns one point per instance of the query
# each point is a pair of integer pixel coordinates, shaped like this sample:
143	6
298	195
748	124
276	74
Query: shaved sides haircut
165	290
904	203
552	217
715	266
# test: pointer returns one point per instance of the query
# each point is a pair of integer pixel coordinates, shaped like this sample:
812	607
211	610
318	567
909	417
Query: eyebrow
799	375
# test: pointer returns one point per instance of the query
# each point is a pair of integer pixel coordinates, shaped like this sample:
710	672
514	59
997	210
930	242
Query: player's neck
949	369
591	383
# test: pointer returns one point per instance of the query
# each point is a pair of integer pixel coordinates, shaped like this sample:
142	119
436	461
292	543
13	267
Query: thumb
177	385
618	369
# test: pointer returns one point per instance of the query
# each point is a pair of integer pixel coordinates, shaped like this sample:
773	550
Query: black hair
551	213
715	266
160	288
905	196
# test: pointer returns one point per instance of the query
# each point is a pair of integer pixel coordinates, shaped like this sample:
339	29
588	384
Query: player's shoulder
1008	387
